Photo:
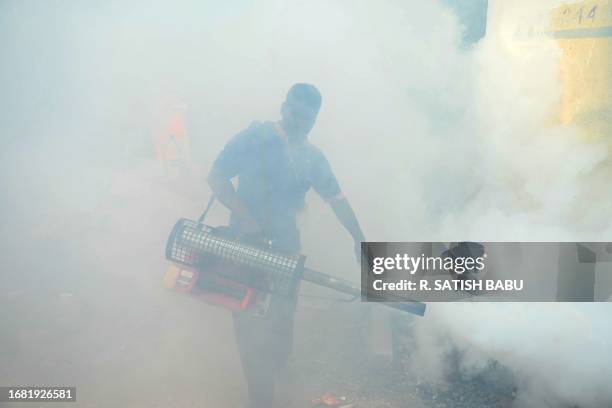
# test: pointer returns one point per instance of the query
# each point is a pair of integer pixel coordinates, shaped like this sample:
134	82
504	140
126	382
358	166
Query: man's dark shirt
272	182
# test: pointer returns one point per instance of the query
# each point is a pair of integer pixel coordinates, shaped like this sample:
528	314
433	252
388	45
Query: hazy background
433	136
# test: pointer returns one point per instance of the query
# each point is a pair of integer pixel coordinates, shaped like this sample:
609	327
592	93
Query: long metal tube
344	286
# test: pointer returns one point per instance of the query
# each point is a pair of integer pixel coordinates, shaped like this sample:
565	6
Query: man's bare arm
345	214
223	188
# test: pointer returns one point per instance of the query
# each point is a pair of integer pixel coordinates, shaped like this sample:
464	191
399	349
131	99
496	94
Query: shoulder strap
210	203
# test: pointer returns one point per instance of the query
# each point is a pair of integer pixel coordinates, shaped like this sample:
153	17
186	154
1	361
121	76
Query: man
275	166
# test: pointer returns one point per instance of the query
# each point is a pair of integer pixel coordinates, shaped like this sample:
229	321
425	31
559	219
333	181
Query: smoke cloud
429	139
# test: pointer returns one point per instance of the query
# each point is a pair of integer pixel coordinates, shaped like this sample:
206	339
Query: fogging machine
214	265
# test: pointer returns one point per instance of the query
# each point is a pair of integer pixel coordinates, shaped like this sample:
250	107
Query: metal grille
197	245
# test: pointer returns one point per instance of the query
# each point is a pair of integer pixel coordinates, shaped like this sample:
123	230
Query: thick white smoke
429	141
558	354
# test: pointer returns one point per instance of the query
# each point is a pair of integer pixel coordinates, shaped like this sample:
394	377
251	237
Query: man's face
297	119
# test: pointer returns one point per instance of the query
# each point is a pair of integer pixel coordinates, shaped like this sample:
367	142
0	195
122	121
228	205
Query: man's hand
358	251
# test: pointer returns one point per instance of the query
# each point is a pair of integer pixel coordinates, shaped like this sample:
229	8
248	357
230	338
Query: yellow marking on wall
586	65
583	15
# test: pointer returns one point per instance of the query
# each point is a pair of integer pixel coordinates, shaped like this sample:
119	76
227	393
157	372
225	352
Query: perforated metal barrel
203	248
